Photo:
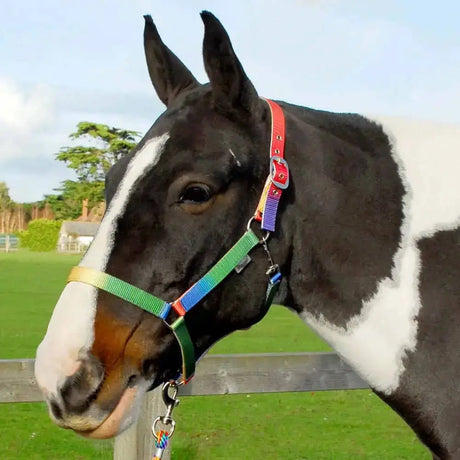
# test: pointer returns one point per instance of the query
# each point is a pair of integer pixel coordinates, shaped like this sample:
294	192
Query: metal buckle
274	160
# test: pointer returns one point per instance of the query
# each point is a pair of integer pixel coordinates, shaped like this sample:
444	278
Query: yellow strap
263	197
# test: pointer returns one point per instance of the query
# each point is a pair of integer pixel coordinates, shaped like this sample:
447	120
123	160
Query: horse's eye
195	194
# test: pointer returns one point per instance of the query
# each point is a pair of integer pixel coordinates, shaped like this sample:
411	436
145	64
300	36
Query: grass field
321	425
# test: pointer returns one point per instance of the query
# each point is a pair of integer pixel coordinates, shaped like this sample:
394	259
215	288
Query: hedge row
41	235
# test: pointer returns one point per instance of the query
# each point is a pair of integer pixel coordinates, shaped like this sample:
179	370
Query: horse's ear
232	91
168	74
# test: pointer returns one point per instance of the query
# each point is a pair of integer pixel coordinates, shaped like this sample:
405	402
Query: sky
62	62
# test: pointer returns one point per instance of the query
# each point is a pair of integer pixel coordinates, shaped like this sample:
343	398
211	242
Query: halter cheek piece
235	259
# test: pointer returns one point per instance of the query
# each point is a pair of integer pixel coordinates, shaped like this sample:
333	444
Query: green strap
186	348
272	289
219	271
122	289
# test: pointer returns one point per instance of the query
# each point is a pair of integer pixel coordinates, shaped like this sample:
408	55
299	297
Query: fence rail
216	375
74	247
8	243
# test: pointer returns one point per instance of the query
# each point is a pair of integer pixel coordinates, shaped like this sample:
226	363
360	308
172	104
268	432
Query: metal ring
265	237
169	421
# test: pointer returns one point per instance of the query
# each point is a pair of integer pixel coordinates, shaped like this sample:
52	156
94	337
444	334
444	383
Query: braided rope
161	439
161	442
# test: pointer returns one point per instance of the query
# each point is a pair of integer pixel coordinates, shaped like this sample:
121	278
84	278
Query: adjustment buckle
279	172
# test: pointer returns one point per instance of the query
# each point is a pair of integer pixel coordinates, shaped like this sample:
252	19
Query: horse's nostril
55	410
132	381
80	389
148	367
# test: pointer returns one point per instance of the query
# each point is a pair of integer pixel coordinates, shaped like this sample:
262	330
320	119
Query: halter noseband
266	212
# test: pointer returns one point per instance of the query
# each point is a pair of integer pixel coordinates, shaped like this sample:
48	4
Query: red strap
178	307
279	172
278	129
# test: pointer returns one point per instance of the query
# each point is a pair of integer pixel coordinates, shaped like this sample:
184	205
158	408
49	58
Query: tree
5	207
12	215
5	199
104	147
67	204
91	162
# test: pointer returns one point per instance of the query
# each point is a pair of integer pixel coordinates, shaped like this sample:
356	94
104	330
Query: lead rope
162	436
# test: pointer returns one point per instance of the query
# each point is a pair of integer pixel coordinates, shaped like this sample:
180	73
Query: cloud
20	108
28	140
130	109
35	123
23	115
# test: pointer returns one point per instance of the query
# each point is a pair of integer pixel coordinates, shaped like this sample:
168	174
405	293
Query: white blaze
375	341
70	330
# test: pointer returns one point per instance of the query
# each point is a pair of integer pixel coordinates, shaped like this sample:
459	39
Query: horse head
175	205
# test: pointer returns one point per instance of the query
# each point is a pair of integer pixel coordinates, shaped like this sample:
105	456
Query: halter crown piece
277	181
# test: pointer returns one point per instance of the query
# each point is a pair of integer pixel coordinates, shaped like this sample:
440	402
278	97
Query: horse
365	236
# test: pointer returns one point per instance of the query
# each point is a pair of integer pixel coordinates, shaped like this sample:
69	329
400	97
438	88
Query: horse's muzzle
93	405
73	404
80	389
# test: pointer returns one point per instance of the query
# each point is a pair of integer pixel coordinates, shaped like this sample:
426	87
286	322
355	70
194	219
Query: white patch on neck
376	341
71	328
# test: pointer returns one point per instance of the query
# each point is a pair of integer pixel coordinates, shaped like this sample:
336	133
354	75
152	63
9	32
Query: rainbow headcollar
266	211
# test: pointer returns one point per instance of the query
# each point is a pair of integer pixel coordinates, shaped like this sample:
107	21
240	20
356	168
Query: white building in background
76	236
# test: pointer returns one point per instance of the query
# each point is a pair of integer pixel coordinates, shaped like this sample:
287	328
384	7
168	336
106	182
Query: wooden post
137	442
84	210
7	243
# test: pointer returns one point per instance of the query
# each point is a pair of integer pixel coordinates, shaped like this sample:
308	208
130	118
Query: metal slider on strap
279	172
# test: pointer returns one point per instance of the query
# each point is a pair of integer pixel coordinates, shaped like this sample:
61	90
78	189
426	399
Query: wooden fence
216	375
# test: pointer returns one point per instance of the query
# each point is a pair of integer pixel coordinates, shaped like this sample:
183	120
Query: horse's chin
121	418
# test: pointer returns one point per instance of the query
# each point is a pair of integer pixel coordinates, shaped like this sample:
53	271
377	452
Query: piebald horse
367	238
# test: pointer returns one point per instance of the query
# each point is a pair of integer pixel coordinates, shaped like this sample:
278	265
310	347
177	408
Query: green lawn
320	425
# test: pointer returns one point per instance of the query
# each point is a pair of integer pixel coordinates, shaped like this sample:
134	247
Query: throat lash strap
217	273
